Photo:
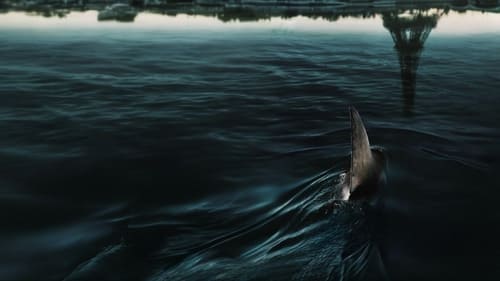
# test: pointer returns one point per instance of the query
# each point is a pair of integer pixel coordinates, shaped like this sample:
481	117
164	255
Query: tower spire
409	31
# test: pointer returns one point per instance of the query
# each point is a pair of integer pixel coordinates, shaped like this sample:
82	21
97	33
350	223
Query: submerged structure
408	22
409	31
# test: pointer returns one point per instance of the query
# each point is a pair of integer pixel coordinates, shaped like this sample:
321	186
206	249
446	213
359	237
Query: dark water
202	150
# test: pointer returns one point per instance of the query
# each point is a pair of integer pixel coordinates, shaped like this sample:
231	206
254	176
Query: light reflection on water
454	23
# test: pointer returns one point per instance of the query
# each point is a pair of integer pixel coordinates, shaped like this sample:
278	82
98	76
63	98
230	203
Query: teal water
188	148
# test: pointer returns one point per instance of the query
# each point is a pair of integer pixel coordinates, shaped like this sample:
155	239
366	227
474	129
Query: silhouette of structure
409	32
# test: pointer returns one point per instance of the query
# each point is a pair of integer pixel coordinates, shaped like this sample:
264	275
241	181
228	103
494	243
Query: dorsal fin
361	157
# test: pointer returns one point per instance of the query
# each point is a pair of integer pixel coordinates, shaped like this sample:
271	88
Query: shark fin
361	157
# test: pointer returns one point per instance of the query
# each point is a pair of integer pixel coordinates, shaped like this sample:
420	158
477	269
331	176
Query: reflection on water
201	143
409	32
409	24
243	11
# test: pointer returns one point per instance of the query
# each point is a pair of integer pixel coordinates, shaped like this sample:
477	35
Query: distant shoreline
248	10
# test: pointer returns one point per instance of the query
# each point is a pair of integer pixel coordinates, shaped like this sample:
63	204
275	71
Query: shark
341	247
368	166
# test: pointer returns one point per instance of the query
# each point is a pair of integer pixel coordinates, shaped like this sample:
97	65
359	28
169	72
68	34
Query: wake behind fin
361	157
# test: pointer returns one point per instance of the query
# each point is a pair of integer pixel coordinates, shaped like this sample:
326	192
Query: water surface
188	148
